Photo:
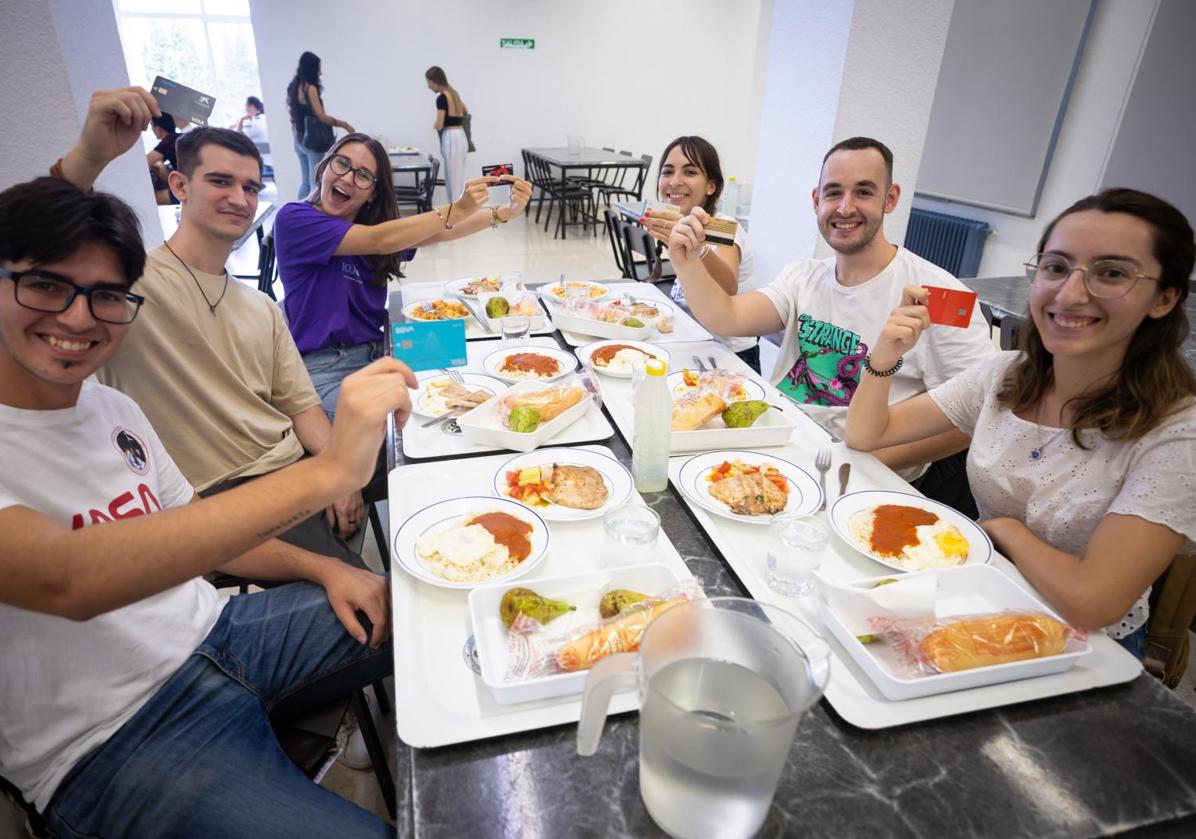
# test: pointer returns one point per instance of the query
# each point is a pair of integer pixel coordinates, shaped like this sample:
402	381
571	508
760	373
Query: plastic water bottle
730	199
653	426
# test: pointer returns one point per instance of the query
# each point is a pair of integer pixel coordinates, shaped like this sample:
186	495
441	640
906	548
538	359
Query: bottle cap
655	367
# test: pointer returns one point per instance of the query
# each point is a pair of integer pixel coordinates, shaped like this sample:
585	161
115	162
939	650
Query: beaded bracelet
882	373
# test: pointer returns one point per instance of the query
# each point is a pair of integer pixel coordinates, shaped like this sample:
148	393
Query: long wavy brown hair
1154	380
382	207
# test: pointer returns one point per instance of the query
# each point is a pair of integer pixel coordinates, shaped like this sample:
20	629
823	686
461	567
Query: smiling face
852	197
1076	325
340	195
220	196
683	183
44	356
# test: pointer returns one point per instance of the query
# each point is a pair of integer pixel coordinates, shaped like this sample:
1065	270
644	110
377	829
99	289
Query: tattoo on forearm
285	524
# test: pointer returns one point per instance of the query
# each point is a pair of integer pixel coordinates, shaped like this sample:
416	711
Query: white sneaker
355	754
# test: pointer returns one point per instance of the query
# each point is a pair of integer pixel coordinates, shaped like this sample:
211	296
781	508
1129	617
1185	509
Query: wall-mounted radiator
950	242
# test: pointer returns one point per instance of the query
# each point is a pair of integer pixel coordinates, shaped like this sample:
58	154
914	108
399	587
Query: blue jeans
308	161
200	758
327	367
1135	642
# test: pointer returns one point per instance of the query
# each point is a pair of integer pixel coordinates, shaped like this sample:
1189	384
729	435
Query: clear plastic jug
723	684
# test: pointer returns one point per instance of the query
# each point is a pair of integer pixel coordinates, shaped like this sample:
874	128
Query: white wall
53	55
609	70
1103	82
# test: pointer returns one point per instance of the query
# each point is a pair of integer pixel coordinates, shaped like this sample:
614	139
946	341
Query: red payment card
950	306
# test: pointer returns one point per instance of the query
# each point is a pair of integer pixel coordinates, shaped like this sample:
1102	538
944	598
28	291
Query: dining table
588	162
1091	761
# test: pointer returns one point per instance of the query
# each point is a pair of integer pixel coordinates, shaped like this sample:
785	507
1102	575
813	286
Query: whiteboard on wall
1006	76
1153	150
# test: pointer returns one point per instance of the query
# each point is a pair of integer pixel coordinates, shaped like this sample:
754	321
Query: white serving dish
582	590
555	291
423	403
538	321
456	287
772	428
483	425
494	361
962	590
805	497
584	353
438	515
599	329
615	476
980	547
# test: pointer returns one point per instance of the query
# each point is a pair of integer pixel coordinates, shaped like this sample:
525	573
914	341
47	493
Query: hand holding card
185	104
950	306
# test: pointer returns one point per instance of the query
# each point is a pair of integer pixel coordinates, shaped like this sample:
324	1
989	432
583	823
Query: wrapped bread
692	410
550	402
993	639
620	635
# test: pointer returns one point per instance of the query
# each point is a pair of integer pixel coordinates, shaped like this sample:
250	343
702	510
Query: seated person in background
162	159
211	361
336	252
136	699
691	176
253	126
1084	440
831	310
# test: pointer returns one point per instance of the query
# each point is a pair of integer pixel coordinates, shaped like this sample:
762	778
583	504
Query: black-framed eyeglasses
1105	278
45	291
342	165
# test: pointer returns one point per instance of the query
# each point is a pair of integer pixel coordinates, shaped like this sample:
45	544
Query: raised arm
749	314
317	108
114	122
720	261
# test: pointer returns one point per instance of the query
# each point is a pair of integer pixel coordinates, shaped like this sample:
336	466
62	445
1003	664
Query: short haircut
257	103
860	143
191	143
48	219
166	123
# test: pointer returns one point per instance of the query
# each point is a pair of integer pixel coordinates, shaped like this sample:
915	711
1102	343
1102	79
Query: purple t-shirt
329	299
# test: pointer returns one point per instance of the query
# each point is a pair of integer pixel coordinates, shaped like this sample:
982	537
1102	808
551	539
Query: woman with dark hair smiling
303	100
1084	440
337	249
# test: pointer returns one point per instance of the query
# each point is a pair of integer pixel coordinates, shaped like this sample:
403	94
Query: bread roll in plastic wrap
993	639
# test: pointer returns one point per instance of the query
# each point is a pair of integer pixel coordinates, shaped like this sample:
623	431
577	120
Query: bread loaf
690	412
550	402
993	639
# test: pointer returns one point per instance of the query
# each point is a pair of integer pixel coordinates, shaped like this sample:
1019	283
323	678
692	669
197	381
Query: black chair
615	191
419	194
652	268
572	198
615	234
267	266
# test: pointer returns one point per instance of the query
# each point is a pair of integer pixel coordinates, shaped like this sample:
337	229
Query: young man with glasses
136	699
832	310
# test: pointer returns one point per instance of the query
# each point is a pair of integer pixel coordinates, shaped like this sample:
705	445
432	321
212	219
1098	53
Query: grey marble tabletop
1107	761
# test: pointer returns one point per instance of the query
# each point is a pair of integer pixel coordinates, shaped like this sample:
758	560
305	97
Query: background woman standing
303	100
450	114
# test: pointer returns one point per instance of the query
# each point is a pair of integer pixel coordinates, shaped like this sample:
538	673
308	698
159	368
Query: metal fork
822	462
454	376
713	363
701	366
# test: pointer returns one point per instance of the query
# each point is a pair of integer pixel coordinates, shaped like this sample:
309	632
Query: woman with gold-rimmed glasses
1083	455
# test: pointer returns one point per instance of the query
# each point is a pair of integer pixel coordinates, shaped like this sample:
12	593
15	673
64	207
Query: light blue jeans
200	758
308	161
327	367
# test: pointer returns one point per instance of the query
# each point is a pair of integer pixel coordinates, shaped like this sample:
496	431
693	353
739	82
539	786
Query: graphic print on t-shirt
829	358
133	450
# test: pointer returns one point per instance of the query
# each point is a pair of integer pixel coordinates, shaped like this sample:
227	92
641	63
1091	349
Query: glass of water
631	532
511	278
515	330
796	544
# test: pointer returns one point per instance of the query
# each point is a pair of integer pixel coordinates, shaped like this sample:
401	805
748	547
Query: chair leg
376	751
380	694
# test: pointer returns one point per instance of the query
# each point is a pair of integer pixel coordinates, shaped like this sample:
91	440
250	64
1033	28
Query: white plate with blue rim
494	362
426	401
694	479
616	479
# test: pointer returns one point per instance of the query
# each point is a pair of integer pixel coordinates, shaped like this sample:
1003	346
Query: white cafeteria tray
439	698
412	292
850	692
483	426
423	443
685	328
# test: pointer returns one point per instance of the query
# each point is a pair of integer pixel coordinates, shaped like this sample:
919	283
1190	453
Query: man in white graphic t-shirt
832	309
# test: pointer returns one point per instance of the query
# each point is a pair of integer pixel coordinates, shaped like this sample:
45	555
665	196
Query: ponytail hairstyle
1154	380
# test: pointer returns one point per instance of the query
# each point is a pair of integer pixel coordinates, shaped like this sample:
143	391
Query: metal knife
453	414
844	476
482	322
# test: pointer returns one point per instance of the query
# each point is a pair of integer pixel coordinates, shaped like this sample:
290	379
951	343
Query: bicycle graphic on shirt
820	389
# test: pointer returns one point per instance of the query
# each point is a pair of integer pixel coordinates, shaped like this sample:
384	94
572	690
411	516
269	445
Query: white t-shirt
255	129
1062	495
67	686
829	328
745	277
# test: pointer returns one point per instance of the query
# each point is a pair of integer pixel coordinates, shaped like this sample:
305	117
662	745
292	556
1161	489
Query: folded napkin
911	596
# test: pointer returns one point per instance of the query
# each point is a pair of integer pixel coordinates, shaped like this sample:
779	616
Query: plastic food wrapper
534	650
509	402
729	384
901	596
519	301
928	646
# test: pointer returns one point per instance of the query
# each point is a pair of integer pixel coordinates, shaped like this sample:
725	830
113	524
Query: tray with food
477	325
529	363
720	408
440	695
618	358
851	691
622	318
438	308
748	486
947	630
559	291
908	532
538	643
564	484
528	415
680	326
493	306
439	394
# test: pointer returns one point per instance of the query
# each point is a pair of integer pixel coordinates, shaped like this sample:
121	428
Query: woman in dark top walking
303	100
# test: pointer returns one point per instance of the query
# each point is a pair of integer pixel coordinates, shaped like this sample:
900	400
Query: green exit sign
517	43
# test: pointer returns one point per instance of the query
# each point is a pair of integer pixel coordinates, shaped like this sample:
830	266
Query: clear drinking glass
631	532
511	278
515	330
576	297
723	684
796	544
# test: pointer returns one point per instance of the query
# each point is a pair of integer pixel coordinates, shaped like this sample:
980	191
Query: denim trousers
200	759
328	366
308	161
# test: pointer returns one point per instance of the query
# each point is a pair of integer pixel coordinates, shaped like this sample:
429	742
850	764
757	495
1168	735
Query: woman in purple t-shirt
337	250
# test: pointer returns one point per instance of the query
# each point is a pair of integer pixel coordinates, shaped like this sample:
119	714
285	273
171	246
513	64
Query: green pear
743	414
